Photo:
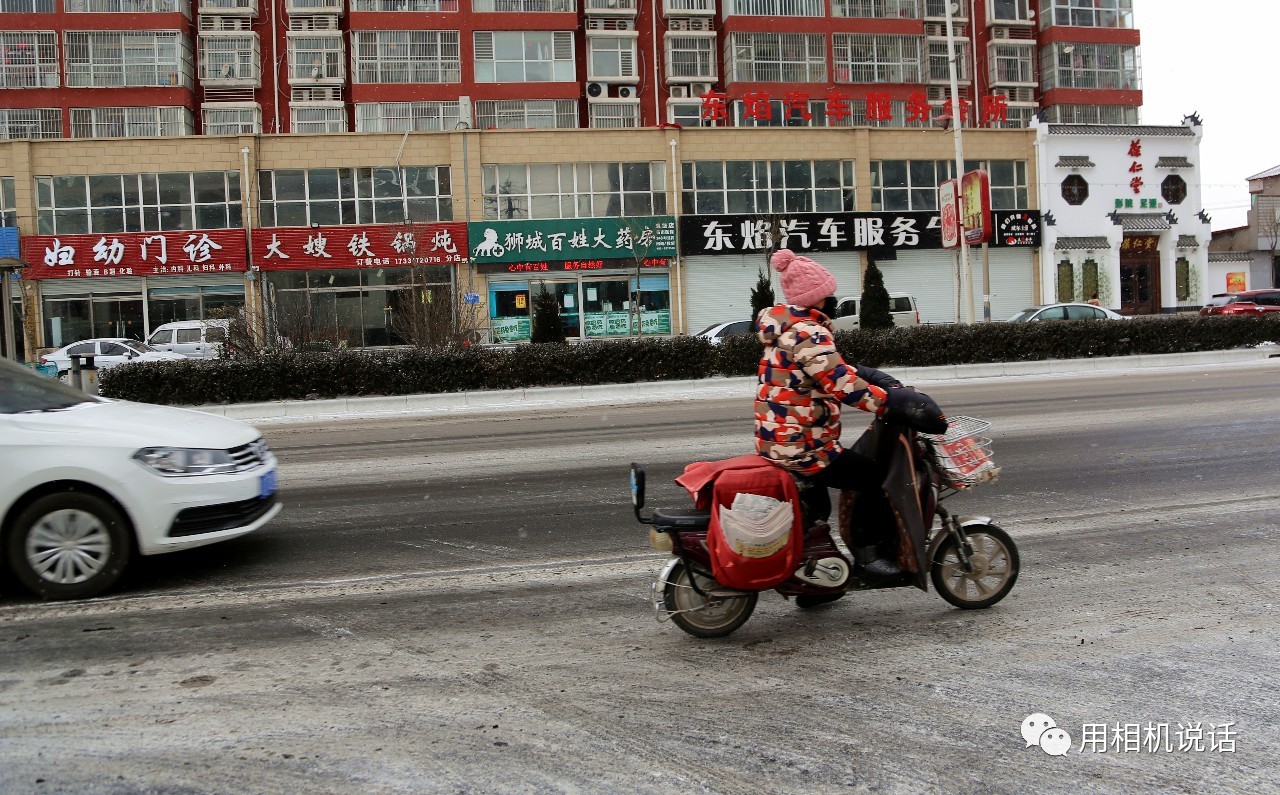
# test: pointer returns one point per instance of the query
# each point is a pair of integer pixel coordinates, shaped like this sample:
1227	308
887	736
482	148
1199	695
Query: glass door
566	293
606	307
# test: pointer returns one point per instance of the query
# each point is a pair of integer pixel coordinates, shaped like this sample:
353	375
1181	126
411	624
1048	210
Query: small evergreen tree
762	296
546	318
874	310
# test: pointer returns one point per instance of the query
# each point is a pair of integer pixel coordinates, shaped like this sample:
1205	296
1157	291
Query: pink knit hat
804	282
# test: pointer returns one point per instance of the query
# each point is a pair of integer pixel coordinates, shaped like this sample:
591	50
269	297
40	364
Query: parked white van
901	306
195	339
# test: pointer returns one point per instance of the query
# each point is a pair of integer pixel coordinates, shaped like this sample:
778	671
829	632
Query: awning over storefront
1081	243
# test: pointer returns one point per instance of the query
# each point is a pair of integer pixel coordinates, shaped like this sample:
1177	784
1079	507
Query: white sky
1218	59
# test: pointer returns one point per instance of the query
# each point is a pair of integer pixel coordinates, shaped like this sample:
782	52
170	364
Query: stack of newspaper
756	526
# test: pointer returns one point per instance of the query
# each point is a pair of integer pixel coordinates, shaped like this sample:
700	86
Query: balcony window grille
897	116
515	56
318	120
689	6
231	121
611	57
687	114
30	123
942	51
691	58
718	187
247	6
316	58
104	203
406	116
372	195
1095	14
30	59
876	9
524	6
139	122
406	56
230	58
516	114
610	115
863	58
781	114
111	59
447	6
774	8
128	6
1013	63
27	6
1089	65
1092	114
574	190
776	58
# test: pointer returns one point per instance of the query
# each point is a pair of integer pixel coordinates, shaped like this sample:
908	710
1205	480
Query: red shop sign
133	254
302	248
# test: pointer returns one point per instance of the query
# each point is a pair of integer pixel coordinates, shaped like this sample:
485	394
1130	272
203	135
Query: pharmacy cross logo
1040	729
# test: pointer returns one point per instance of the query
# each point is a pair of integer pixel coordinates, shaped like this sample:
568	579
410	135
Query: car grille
227	516
250	456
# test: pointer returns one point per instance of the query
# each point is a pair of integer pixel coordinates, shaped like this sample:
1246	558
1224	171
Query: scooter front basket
961	456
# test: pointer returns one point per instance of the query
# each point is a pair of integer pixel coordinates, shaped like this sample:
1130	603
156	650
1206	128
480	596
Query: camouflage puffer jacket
803	381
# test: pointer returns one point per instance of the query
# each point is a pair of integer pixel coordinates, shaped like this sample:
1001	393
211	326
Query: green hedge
297	376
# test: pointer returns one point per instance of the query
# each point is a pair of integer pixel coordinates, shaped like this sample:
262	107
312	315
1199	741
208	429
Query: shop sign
570	266
758	106
818	232
372	246
948	202
134	254
576	240
8	243
975	207
1019	228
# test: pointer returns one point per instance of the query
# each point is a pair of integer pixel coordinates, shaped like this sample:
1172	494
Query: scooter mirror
637	486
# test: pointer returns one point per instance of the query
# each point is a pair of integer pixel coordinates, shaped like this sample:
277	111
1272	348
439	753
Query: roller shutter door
1012	281
930	276
718	289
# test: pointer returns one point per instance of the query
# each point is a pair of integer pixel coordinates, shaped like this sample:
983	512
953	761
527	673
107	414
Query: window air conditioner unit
679	92
596	90
1000	32
625	24
626	92
698	89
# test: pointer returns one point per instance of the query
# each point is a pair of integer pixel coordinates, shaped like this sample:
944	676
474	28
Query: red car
1250	302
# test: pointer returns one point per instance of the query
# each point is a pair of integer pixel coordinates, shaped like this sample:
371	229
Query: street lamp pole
964	297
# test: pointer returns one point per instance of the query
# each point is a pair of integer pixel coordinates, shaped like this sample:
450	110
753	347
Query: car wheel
68	546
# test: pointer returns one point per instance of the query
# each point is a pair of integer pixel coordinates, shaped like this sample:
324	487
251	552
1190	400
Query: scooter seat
685	518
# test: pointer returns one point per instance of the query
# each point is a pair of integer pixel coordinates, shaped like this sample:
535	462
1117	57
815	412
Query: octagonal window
1173	189
1075	189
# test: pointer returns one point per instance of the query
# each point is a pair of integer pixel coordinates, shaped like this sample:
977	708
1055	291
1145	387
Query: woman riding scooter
804	381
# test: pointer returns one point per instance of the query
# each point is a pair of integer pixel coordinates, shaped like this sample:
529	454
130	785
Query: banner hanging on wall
370	246
133	254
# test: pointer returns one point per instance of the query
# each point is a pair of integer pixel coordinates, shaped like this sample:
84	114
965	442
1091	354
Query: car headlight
175	461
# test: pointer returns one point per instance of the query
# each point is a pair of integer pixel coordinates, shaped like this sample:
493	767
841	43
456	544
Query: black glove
916	410
877	377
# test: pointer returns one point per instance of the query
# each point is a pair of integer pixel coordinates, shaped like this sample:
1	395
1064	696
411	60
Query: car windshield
709	329
23	390
140	347
1024	315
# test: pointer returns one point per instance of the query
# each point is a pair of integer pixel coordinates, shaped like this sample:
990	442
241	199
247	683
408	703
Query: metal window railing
861	58
776	57
131	122
691	58
27	6
231	121
1096	14
1011	63
30	123
229	60
406	116
614	115
561	114
774	8
406	56
30	59
876	9
447	6
128	6
317	120
525	6
110	59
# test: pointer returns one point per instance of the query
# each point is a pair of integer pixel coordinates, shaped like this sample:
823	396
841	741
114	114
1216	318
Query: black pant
872	517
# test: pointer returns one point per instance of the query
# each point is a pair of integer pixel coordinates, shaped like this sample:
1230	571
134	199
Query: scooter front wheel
995	565
700	614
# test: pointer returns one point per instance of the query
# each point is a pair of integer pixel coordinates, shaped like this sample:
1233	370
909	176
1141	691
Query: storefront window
591	307
169	304
361	307
334	196
96	315
106	203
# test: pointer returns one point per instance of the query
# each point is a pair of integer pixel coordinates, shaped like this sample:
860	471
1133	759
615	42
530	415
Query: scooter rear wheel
700	615
995	563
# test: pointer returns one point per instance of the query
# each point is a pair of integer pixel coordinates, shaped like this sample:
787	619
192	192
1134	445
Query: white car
195	339
90	482
718	331
1065	311
901	306
107	352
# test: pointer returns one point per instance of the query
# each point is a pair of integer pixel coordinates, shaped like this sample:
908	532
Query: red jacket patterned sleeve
815	351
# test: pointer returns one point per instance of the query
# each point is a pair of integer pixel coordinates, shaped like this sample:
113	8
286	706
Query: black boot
869	562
